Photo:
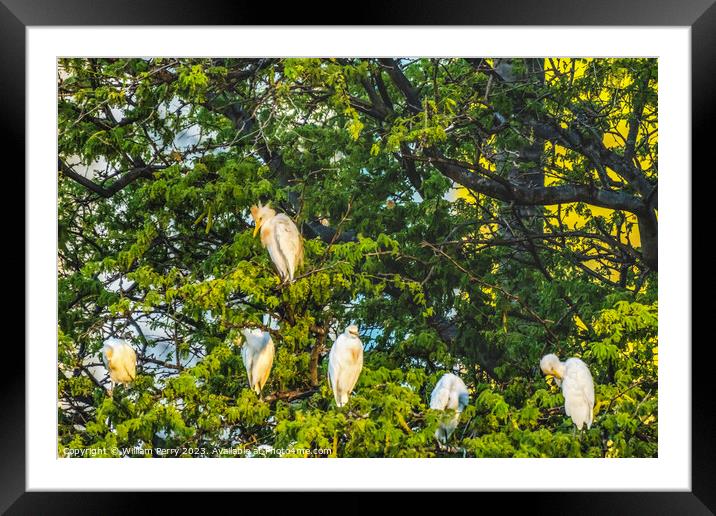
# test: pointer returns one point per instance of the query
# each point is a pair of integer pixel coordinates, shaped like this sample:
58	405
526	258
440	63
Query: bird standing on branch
257	353
449	394
120	359
345	362
577	387
280	236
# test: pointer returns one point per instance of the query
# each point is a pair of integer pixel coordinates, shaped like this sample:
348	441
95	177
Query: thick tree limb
411	95
127	178
579	142
536	196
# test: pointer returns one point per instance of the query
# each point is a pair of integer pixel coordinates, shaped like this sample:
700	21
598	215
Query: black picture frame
700	15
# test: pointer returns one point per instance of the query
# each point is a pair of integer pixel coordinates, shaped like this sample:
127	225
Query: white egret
450	394
577	387
120	359
345	362
257	353
280	236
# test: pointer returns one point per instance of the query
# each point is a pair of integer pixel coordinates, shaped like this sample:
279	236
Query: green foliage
435	281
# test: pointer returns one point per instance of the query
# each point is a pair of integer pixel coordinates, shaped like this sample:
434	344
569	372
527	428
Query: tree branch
127	178
415	105
296	394
536	196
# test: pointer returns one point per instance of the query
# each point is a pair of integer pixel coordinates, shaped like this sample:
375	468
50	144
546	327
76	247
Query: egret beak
256	229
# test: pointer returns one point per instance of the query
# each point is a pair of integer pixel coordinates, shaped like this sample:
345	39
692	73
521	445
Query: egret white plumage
345	361
577	387
120	359
257	353
280	236
450	394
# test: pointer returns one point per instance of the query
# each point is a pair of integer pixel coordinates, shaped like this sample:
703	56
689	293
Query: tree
469	215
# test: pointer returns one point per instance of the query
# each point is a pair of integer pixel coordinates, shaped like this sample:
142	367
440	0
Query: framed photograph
427	252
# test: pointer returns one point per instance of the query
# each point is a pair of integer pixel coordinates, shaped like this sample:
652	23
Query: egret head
250	333
260	215
108	350
352	330
550	364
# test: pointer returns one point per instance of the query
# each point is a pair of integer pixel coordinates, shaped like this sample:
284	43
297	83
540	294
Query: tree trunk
524	168
649	235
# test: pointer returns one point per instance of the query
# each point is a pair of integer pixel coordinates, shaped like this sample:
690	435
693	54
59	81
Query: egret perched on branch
345	362
257	353
451	394
577	387
120	359
280	236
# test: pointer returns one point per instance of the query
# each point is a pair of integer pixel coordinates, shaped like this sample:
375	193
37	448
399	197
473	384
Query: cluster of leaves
161	159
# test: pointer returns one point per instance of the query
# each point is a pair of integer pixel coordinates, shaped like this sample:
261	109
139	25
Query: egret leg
110	391
451	447
442	443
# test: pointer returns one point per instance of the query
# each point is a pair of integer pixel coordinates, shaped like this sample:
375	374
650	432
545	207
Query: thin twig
508	295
